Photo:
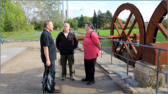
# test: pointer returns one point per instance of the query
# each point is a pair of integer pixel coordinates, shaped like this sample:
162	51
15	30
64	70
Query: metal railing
147	66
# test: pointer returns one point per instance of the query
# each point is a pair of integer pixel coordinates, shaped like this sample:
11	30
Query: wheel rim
132	51
155	23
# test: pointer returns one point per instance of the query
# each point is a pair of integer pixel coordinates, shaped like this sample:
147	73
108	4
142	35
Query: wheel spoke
120	23
127	36
163	30
128	51
132	26
117	29
126	24
121	48
133	47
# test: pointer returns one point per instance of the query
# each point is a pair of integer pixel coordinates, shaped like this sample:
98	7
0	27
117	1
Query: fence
157	70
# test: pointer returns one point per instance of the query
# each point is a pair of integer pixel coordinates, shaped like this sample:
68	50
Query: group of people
66	42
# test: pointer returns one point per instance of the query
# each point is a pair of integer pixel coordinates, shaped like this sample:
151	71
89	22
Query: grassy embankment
36	35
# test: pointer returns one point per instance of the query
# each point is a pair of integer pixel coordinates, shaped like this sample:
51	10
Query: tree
73	23
12	17
94	19
104	19
43	10
81	22
108	16
101	19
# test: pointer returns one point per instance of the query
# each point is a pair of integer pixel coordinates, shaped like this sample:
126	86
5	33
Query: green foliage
165	23
108	19
104	20
82	20
12	17
43	10
58	26
160	37
73	23
38	25
100	20
94	21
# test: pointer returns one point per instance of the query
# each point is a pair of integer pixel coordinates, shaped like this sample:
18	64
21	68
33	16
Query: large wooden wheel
125	33
155	23
155	28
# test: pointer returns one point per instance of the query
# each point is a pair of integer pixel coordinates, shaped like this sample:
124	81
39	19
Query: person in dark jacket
48	50
66	42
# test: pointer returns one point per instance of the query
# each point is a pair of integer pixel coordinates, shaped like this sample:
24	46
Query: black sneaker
84	80
90	82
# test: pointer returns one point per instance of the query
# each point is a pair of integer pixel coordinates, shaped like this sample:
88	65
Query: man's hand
48	63
99	46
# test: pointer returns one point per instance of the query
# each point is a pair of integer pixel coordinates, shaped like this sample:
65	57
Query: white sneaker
72	78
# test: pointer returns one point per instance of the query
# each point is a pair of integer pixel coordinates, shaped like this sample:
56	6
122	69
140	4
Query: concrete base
148	76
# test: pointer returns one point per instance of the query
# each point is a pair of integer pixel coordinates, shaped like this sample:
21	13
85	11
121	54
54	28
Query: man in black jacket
66	42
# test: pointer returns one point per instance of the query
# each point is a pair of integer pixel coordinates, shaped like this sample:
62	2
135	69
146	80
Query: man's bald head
66	27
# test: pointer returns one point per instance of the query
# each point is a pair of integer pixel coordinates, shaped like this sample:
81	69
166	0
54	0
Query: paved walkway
22	74
8	53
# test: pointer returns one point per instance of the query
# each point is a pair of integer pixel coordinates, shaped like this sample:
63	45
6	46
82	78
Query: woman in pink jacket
92	48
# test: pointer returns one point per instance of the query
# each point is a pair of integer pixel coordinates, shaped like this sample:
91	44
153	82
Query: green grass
103	32
55	34
30	34
24	35
107	32
160	37
80	30
107	43
10	35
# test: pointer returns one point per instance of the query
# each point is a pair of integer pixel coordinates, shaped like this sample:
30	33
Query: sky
86	8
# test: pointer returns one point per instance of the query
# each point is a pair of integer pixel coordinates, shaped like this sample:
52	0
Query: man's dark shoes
84	80
63	78
90	82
